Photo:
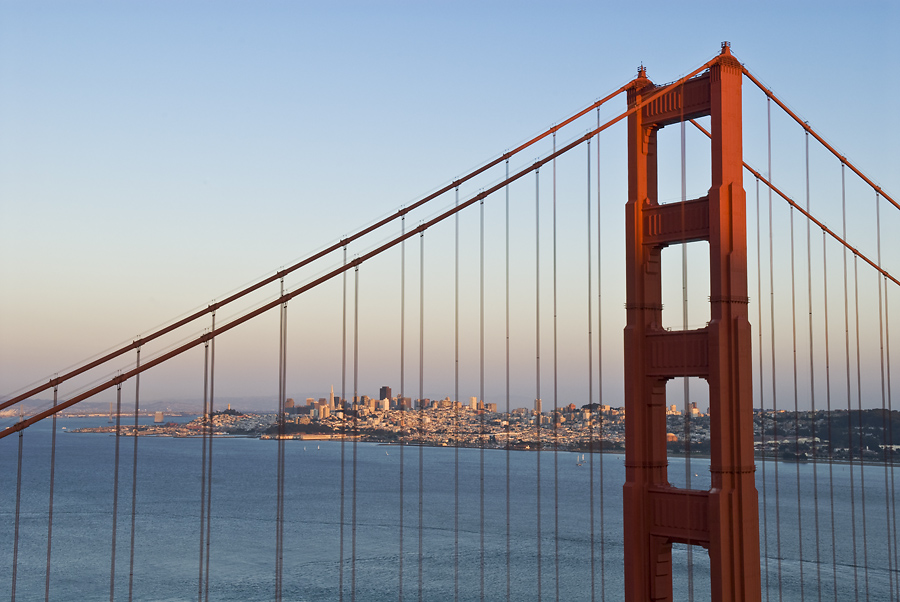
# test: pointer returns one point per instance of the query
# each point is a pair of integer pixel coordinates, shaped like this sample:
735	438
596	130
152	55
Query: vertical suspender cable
341	407
212	383
862	472
456	401
688	408
283	416
537	358
115	512
279	502
355	430
796	401
891	441
15	562
402	398
203	423
481	390
52	474
555	402
887	423
590	363
508	537
828	408
772	326
762	403
134	459
421	412
812	383
849	406
599	385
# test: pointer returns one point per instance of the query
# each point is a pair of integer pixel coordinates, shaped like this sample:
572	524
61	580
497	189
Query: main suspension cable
401	213
809	130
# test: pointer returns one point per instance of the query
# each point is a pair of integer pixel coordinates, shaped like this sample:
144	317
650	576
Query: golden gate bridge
763	345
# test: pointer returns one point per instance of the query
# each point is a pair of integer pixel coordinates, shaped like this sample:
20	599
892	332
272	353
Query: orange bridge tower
725	519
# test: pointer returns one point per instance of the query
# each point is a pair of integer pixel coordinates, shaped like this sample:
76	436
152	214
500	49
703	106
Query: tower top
726	48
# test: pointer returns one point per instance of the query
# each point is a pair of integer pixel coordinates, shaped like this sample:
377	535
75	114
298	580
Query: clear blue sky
156	155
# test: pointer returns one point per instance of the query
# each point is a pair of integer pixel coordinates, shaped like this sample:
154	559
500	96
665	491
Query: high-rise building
384	392
537	405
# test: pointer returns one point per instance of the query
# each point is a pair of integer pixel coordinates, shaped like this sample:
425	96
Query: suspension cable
537	357
599	386
134	463
279	519
332	274
887	418
481	435
50	504
825	229
555	402
796	399
762	403
115	511
15	561
401	213
341	408
806	127
456	399
204	421
812	384
849	407
590	366
862	471
506	313
688	408
772	334
355	431
828	407
209	466
421	412
402	400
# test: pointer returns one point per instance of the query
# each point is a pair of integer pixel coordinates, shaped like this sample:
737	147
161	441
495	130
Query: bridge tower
725	519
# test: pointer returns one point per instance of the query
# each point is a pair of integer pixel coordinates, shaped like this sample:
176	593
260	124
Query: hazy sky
156	155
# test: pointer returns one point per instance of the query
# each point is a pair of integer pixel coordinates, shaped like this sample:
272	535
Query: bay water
551	535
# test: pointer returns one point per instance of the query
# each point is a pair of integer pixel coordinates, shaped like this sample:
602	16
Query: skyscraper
384	392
